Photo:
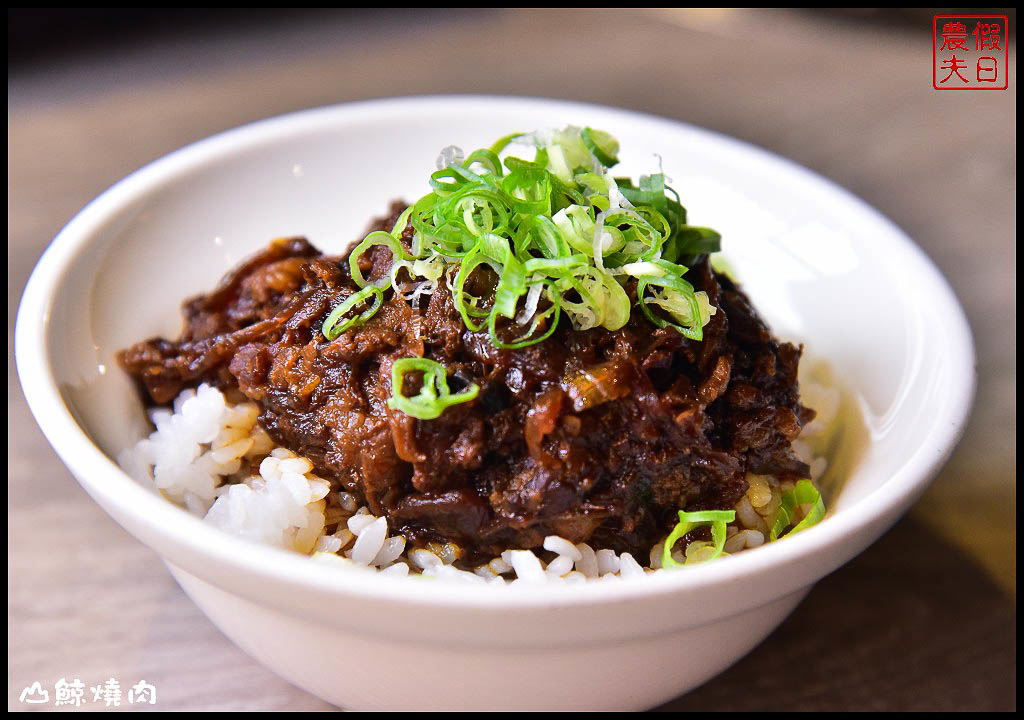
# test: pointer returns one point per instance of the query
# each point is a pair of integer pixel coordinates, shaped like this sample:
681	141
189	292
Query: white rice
213	458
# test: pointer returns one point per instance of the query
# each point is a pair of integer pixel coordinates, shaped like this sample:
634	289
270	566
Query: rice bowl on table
529	324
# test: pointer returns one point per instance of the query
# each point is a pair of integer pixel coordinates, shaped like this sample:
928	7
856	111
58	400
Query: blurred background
925	619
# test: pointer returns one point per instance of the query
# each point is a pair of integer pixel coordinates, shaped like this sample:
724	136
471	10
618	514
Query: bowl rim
103	478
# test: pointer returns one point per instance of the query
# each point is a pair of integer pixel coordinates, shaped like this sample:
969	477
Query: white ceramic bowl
822	266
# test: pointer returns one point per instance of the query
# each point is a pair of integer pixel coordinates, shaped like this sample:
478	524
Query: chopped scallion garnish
603	145
434	396
716	519
803	493
341	320
559	222
560	234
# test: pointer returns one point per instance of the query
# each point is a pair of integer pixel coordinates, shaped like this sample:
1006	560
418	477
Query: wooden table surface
925	619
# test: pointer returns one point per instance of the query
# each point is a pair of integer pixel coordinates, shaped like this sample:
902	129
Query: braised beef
592	435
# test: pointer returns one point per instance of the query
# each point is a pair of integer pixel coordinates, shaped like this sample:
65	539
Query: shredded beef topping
592	435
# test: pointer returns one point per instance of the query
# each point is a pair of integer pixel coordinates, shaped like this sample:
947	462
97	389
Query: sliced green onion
550	317
616	310
716	519
560	234
504	142
488	158
604	146
434	396
337	322
469	309
803	493
375	238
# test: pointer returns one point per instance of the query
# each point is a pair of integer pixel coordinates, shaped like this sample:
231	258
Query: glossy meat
592	435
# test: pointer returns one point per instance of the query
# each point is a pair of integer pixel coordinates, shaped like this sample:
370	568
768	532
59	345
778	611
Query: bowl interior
823	268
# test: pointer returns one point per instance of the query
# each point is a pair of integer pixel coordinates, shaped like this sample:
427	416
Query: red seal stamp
970	52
